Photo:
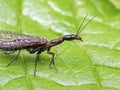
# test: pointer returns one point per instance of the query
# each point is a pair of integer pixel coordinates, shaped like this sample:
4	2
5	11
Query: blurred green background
90	65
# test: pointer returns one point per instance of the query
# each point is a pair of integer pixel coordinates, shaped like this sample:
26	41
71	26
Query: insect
35	44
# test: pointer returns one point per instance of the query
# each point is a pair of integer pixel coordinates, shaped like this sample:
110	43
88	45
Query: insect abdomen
19	44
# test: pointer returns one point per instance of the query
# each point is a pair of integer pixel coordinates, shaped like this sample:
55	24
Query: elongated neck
55	42
66	37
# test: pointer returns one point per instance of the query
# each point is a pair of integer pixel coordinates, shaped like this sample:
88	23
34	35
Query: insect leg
52	60
31	51
10	52
13	59
37	59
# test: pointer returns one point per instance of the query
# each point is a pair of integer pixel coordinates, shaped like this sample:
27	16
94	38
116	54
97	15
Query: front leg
52	60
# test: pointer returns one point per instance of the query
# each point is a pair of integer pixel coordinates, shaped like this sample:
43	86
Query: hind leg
8	52
13	59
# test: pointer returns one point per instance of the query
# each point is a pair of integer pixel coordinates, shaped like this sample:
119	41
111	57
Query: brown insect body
24	43
34	44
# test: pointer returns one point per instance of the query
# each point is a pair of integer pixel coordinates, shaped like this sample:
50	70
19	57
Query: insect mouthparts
81	39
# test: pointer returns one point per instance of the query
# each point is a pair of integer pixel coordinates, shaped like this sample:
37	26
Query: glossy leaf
90	65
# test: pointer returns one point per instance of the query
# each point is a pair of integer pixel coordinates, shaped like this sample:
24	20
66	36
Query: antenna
86	24
80	29
82	23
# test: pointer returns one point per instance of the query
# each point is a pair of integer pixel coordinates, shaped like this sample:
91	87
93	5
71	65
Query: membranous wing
11	41
6	36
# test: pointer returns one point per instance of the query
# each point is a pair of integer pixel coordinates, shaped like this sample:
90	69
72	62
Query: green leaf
90	65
